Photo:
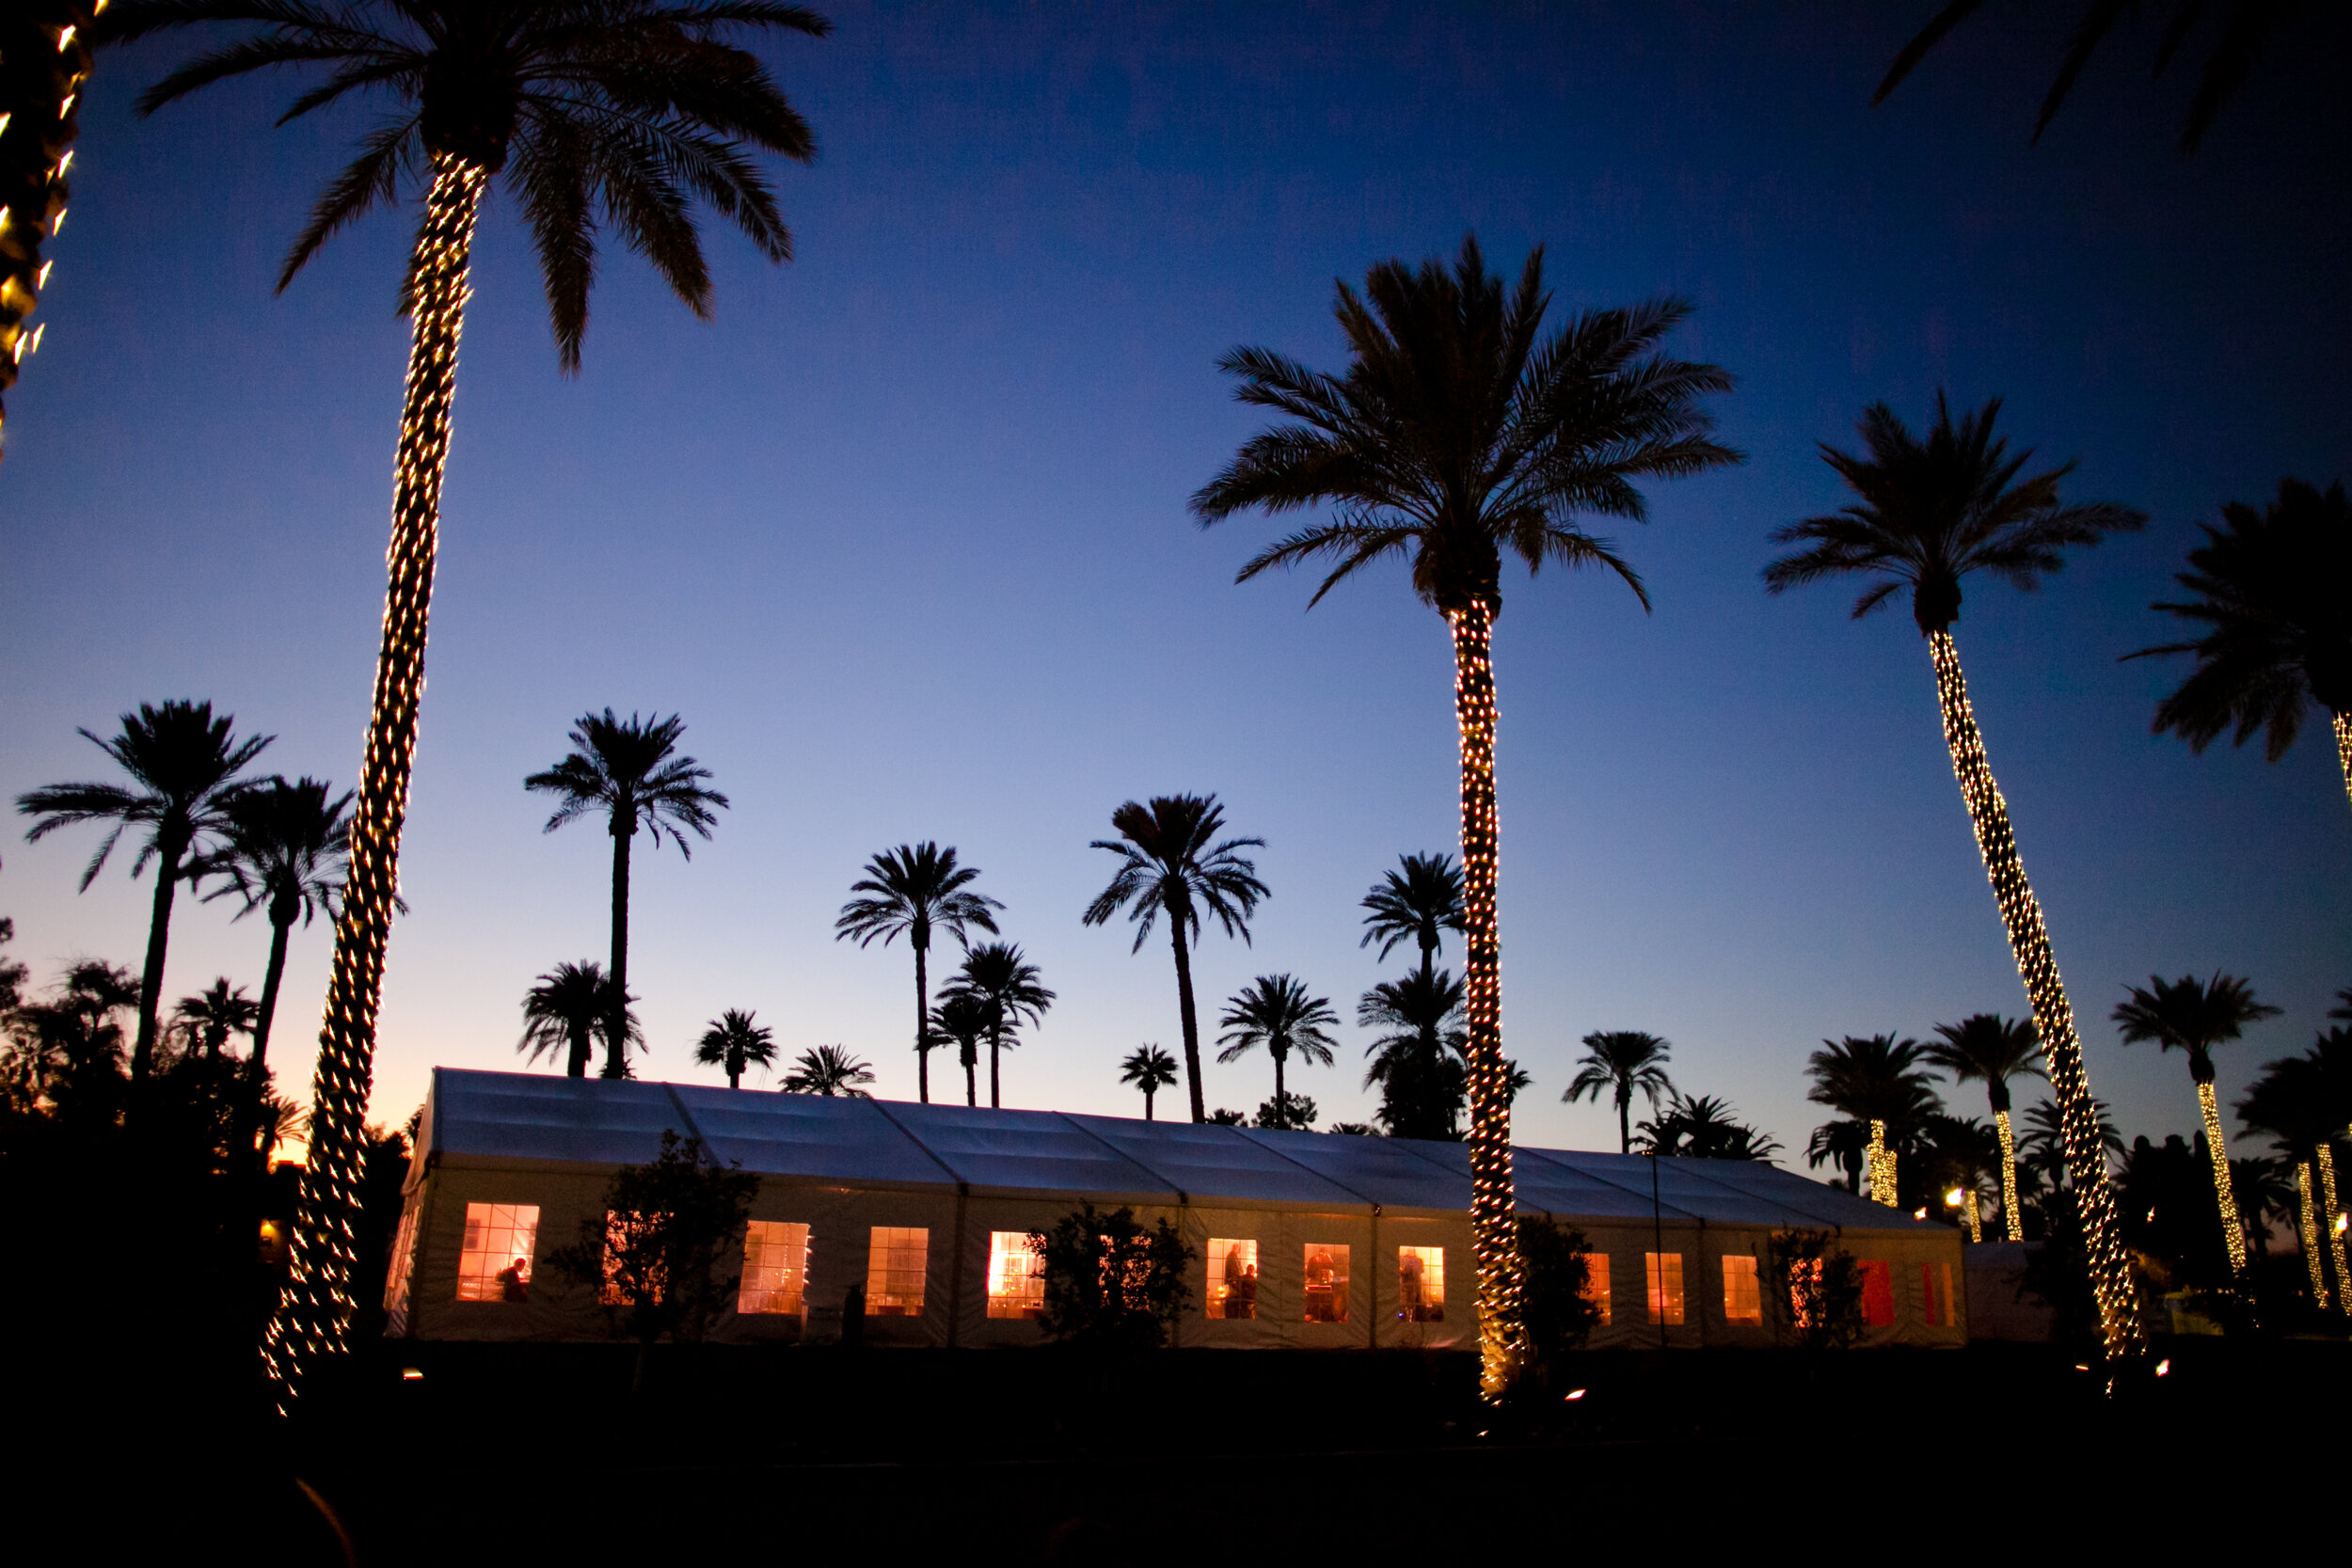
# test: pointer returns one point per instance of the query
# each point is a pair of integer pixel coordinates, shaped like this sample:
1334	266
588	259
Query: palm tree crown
563	1011
1621	1063
1000	977
1150	1069
1418	1062
908	890
1275	1012
735	1044
215	1013
964	1017
283	849
831	1070
1418	904
635	107
1987	1049
1878	1078
183	763
1703	1127
2190	1014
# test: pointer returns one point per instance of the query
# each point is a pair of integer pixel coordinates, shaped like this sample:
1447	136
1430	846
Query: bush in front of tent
1813	1291
1557	1313
1111	1283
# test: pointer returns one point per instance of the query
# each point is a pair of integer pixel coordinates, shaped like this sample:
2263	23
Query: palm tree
628	771
1150	1069
1461	430
1003	980
637	101
1420	904
2290	1101
1992	1050
1926	515
1877	1081
2043	1145
1962	1156
46	45
2269	588
1703	1127
1172	861
215	1013
1418	1065
183	763
562	1012
1275	1012
1844	1143
2197	1015
1621	1063
284	849
829	1070
964	1017
2263	1193
735	1044
910	890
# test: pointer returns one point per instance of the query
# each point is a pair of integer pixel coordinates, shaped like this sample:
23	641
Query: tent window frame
1016	1276
481	1277
888	1269
777	1250
1668	1301
1233	1279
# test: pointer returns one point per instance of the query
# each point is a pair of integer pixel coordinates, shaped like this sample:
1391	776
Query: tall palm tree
284	850
1006	983
184	765
1878	1082
1621	1063
630	771
215	1013
1924	515
2330	1056
44	59
1418	1064
1460	430
563	1011
639	102
1171	860
908	891
1150	1069
2290	1101
829	1070
1275	1012
2274	590
964	1017
1846	1144
2197	1015
1418	904
735	1044
1992	1050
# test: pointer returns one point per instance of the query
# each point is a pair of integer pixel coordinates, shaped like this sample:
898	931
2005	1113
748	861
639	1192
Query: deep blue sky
902	533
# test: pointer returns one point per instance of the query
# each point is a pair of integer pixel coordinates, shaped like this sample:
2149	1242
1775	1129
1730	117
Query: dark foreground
543	1453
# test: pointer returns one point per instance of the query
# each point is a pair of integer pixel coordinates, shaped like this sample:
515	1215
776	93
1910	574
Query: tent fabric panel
1388	1171
1203	1161
1023	1150
809	1135
580	1120
1545	1185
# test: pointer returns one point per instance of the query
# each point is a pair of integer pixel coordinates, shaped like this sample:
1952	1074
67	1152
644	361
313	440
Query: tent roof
595	1121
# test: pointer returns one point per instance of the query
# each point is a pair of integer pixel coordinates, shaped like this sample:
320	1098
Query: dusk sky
902	535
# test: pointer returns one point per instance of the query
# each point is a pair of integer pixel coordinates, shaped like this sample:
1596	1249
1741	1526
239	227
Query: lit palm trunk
2232	1231
2343	751
313	1315
2310	1232
2335	1238
2011	1220
2054	1019
1881	1165
1975	1221
1492	1222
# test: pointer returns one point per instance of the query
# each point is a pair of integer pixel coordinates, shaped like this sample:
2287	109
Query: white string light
2011	1221
2344	750
1881	1165
2309	1230
2335	1231
2231	1231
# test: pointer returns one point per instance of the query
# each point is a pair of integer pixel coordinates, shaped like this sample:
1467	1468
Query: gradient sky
902	535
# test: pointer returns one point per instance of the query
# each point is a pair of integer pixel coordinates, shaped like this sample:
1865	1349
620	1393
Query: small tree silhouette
1813	1291
1111	1283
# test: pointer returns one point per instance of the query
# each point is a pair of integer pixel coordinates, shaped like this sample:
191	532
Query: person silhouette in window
1319	1271
1409	1303
1234	1266
515	1281
1244	1302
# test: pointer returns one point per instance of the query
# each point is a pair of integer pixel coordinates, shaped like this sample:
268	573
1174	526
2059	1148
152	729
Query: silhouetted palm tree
1418	1065
2265	1192
1275	1012
964	1017
2290	1101
1620	1063
628	771
638	104
1418	904
1459	432
1875	1080
2043	1145
908	891
283	849
735	1044
1172	861
1844	1143
183	763
1926	515
69	1049
2272	587
562	1012
1006	984
1960	1154
215	1013
1992	1050
2197	1015
829	1070
1150	1069
1702	1127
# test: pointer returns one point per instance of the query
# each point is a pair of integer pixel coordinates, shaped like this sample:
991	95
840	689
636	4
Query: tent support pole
955	1268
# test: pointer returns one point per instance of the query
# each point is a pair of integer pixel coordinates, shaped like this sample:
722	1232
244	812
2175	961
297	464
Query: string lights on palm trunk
2233	1233
2335	1221
2344	750
2029	944
2011	1221
313	1316
1881	1165
2308	1227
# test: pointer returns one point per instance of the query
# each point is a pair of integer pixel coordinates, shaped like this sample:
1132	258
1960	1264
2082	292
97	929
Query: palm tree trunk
1147	1104
2012	1221
2310	1232
922	1023
583	1048
2327	1161
1493	1226
1882	1161
2111	1283
1282	1100
256	1069
170	846
616	1024
313	1314
1624	1120
971	1082
2233	1230
1191	1020
2344	750
995	1051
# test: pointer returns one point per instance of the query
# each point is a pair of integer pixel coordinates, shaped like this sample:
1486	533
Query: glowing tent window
1327	1283
1664	1270
1232	1277
1420	1284
1016	1276
775	1268
1744	1295
1938	1303
494	1264
894	1264
1596	1283
1878	1293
